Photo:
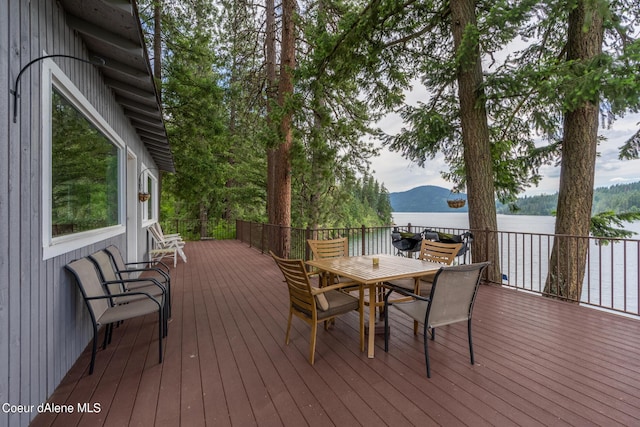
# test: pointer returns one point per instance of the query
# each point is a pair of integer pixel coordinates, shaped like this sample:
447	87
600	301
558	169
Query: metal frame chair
451	300
102	308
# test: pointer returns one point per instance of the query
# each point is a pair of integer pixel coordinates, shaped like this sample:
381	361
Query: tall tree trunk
204	220
157	67
271	90
282	183
157	42
579	144
475	139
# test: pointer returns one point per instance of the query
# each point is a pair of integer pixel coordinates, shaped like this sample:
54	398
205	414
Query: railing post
363	239
307	255
409	227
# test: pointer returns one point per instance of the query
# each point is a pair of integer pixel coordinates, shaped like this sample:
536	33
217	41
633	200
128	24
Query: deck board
538	362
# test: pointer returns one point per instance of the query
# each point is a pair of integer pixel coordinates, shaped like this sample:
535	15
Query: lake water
521	223
611	279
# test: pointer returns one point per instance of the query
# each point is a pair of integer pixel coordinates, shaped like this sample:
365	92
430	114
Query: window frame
54	77
146	177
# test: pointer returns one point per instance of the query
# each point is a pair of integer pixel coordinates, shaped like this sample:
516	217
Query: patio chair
331	248
167	237
130	270
441	253
116	284
451	300
102	309
314	305
171	247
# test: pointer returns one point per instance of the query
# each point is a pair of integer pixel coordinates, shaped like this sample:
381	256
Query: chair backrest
118	260
298	283
157	229
157	235
332	248
90	286
442	253
107	271
453	294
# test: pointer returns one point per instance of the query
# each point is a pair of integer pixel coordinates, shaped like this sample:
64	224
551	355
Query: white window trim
144	178
52	76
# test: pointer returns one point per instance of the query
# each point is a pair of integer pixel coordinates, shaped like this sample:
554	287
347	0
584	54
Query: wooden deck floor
538	362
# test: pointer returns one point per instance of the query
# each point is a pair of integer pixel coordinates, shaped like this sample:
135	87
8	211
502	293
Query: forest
271	107
618	198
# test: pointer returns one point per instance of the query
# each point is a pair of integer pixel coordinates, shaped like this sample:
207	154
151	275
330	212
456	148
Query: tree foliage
216	98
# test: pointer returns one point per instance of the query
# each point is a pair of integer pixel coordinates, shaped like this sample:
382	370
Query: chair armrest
126	294
165	266
316	291
402	291
148	279
156	270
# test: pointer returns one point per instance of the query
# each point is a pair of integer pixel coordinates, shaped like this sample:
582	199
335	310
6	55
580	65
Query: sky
399	174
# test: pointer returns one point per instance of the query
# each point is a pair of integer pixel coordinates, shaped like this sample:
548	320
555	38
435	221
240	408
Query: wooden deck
538	362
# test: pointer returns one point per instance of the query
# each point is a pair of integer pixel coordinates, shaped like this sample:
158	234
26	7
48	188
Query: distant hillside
430	198
427	198
617	198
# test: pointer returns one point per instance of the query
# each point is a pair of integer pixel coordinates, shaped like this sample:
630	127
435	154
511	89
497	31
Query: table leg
372	320
361	316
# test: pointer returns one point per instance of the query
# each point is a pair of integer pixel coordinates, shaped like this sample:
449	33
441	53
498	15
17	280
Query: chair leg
169	298
94	348
286	338
312	345
386	329
426	350
161	327
470	342
361	314
105	341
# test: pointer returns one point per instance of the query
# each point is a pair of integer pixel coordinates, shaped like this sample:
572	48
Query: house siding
44	325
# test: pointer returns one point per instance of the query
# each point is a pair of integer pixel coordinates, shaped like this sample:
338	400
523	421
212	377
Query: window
82	169
84	172
149	185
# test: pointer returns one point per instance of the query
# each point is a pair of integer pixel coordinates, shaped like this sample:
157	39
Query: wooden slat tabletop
361	268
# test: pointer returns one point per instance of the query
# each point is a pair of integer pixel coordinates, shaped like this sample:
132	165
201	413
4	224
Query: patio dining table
361	269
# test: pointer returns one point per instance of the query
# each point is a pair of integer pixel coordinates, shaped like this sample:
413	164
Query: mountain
430	198
427	198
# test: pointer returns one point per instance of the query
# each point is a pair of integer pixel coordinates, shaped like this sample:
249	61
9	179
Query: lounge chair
163	246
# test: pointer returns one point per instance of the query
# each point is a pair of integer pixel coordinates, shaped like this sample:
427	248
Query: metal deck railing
612	272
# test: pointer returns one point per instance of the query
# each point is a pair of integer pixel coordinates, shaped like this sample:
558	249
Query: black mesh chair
451	300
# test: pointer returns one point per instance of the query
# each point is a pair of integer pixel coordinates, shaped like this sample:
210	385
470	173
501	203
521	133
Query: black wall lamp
15	92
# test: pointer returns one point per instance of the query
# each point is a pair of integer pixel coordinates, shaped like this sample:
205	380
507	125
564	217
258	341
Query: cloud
399	174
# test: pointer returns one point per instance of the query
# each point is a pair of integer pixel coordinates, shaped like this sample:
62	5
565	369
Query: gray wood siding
44	325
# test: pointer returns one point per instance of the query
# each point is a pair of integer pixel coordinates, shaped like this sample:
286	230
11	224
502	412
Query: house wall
44	325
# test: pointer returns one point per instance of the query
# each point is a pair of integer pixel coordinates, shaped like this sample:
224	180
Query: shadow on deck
538	362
